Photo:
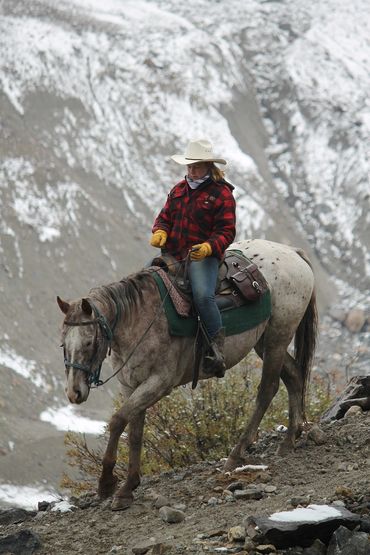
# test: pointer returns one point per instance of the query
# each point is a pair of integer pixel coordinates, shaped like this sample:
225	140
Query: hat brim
180	159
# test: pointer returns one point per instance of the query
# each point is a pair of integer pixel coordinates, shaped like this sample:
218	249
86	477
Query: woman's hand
198	252
158	238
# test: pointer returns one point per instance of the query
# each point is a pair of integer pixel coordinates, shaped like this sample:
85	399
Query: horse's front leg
107	480
133	412
124	498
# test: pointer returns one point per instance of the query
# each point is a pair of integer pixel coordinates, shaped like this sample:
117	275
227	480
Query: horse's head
85	346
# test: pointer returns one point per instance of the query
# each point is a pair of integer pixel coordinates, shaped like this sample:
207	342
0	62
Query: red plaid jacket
194	216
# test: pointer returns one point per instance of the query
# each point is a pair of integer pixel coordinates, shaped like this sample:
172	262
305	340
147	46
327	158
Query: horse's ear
63	305
86	306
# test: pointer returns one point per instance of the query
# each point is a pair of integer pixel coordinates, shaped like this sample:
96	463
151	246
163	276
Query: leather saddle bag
244	276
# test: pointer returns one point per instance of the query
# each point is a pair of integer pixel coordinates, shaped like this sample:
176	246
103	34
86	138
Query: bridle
93	374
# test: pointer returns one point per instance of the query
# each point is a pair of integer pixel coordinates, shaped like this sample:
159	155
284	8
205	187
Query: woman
199	218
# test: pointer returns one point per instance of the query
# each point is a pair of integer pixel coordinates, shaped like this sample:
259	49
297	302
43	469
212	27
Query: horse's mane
127	293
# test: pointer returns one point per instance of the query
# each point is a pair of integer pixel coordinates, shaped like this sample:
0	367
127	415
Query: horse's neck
145	315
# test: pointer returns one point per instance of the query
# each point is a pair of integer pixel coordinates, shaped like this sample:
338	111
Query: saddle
239	284
239	280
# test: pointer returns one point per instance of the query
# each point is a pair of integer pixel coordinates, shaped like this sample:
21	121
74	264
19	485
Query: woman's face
197	170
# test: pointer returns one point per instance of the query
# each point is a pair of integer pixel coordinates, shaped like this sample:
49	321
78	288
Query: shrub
190	426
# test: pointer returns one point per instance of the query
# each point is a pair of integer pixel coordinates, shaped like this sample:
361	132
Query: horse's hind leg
124	498
294	383
272	364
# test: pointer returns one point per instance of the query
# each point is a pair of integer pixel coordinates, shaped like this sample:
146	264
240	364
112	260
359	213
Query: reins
94	380
108	334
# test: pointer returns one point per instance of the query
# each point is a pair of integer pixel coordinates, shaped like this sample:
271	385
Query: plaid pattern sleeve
223	231
194	216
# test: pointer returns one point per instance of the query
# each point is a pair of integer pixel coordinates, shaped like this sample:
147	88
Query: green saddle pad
234	320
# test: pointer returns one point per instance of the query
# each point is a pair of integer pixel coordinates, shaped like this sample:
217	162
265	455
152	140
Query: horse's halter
93	376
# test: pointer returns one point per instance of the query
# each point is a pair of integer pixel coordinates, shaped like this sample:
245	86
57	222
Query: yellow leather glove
158	238
198	252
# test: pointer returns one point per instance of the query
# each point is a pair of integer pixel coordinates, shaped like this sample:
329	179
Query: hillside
95	97
336	471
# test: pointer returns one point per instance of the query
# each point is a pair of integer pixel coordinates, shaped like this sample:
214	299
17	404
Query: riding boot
214	360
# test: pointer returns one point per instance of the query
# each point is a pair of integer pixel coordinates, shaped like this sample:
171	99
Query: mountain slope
93	100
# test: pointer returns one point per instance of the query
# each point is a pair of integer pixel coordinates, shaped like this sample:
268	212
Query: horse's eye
88	344
61	345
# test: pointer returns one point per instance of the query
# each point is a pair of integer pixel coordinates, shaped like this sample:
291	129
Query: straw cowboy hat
197	151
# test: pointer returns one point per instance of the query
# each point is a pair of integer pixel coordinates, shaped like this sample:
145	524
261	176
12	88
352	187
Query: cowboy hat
200	150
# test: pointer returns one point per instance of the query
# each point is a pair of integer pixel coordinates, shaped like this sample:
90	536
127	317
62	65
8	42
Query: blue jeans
203	279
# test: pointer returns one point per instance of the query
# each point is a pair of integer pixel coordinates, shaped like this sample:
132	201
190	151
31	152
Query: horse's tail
305	338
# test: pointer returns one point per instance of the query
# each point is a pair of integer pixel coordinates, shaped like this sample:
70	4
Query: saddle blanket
234	320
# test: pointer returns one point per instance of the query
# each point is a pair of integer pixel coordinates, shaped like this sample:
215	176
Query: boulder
12	516
24	542
348	542
355	320
170	515
300	527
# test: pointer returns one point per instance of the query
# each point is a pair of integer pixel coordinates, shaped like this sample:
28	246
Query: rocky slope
327	468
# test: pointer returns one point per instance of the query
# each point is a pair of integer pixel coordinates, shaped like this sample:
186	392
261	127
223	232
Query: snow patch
311	513
66	419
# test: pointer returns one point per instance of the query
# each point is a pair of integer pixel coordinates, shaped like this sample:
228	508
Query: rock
179	506
43	505
343	491
302	500
355	410
265	548
270	488
355	320
161	501
338	314
212	501
339	503
249	545
342	466
317	548
316	435
144	546
24	542
235	485
236	534
300	527
160	548
12	516
347	542
218	489
248	494
365	525
170	515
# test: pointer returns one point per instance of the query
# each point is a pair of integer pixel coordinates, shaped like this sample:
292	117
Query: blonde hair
216	173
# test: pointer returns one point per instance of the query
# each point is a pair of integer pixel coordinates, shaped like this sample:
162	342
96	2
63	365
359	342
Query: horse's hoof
285	448
121	503
232	463
107	489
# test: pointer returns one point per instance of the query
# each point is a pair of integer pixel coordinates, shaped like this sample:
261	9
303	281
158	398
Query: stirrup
214	363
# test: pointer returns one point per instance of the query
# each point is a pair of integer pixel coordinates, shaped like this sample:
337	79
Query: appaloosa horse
123	315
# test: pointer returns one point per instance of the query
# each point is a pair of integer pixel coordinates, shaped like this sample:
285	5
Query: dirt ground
337	469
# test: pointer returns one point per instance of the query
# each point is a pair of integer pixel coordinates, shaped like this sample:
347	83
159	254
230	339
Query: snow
67	419
311	513
63	507
25	368
251	467
26	497
140	97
